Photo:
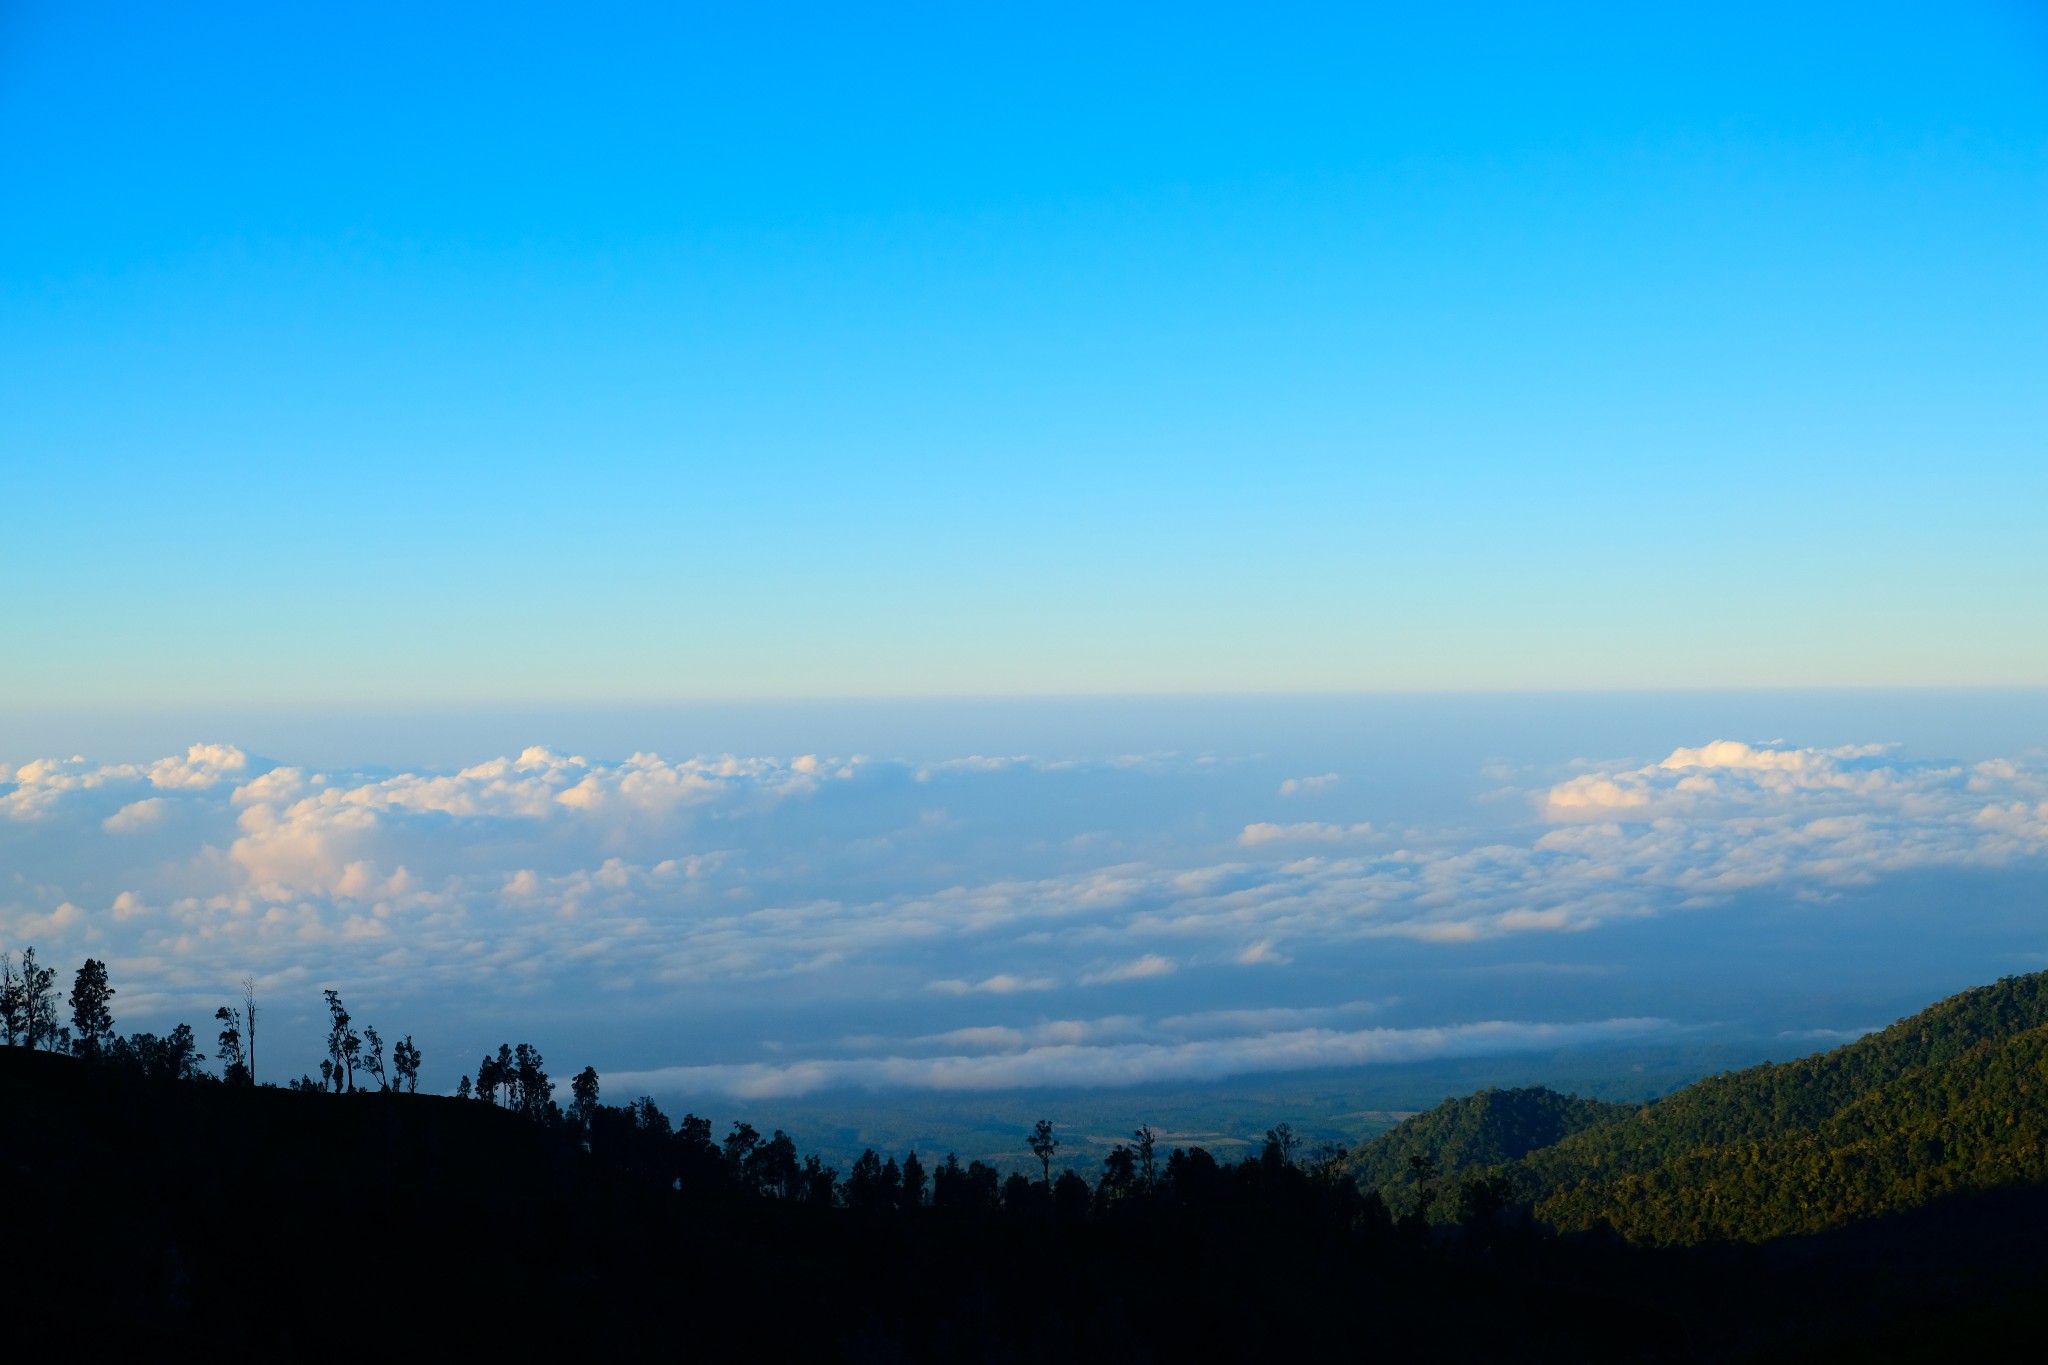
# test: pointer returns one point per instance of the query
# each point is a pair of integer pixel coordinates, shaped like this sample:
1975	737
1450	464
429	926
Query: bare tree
249	1018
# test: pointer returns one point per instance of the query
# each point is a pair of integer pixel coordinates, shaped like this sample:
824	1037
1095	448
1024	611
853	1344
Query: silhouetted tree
948	1180
344	1044
462	1088
867	1189
647	1116
249	1015
35	1004
913	1182
1194	1177
488	1079
373	1056
1043	1144
535	1090
1279	1148
817	1182
739	1145
583	1095
405	1065
773	1167
328	1072
1070	1196
173	1057
182	1057
974	1189
1119	1177
92	1013
699	1165
10	1001
1021	1195
1148	1164
234	1070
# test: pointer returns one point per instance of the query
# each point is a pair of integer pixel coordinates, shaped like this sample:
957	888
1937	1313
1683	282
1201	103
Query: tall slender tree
92	1011
233	1068
535	1089
508	1076
10	1001
344	1044
583	1094
1043	1144
1148	1161
249	1016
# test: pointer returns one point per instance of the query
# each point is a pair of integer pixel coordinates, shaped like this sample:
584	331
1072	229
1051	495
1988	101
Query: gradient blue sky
485	354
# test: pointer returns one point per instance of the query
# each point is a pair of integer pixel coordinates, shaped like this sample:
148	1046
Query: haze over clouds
666	887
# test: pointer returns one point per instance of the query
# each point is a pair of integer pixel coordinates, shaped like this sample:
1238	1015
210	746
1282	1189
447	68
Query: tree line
637	1143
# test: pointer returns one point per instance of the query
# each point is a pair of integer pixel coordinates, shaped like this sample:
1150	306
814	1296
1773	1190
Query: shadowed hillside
1888	1197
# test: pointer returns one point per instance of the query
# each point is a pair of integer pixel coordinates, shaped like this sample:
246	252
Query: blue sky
500	355
673	531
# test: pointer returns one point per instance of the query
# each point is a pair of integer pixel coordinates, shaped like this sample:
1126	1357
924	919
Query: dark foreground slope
270	1224
176	1217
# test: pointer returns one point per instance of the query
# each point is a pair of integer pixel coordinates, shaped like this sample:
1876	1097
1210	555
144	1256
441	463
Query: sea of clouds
1041	898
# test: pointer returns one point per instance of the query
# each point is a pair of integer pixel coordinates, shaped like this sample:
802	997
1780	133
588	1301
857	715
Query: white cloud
204	765
136	815
1729	775
1150	965
1003	983
1308	786
726	877
1307	833
1132	1063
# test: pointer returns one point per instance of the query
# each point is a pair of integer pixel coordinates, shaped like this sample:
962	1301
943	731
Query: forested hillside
1471	1133
1975	1121
1953	1099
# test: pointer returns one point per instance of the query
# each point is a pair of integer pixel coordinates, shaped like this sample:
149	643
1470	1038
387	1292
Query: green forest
1951	1100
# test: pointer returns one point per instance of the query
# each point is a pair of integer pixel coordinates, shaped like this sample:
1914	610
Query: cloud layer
670	884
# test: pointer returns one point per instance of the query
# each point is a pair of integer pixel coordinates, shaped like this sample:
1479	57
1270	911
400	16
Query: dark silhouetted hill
1885	1200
